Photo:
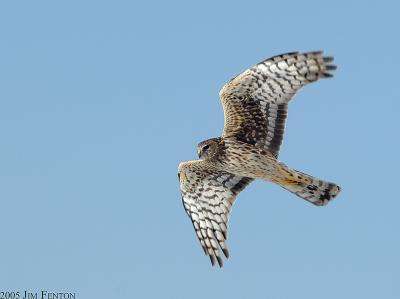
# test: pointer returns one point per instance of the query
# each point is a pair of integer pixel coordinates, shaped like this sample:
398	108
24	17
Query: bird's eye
202	152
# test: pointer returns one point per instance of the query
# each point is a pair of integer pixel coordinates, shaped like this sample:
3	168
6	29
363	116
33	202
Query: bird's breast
246	160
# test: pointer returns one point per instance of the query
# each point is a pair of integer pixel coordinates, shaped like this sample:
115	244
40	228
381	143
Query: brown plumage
255	108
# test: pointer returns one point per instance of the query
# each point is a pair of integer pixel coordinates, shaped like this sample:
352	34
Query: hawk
255	107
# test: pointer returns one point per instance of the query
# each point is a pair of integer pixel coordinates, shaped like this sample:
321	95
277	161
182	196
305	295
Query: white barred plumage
255	109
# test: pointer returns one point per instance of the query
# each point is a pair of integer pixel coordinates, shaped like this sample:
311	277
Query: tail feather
316	191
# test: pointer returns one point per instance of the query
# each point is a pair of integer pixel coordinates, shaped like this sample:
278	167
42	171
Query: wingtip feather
226	252
328	58
330	67
212	259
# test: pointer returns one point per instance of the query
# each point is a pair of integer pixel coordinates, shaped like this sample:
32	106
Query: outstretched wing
255	102
208	196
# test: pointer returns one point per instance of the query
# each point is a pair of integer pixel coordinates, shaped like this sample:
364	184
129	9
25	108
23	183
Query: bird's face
207	148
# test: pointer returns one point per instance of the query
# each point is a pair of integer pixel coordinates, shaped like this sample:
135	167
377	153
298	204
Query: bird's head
208	148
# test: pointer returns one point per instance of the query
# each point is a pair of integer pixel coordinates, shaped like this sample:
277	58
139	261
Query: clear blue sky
101	100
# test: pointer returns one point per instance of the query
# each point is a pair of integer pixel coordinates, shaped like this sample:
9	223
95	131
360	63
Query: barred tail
314	190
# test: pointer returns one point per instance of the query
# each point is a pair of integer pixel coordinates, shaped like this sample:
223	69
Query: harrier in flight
255	107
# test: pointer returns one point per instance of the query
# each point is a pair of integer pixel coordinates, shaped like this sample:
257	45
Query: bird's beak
199	152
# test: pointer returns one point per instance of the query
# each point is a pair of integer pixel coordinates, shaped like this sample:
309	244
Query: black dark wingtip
212	259
326	75
226	253
338	189
328	59
330	67
220	263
